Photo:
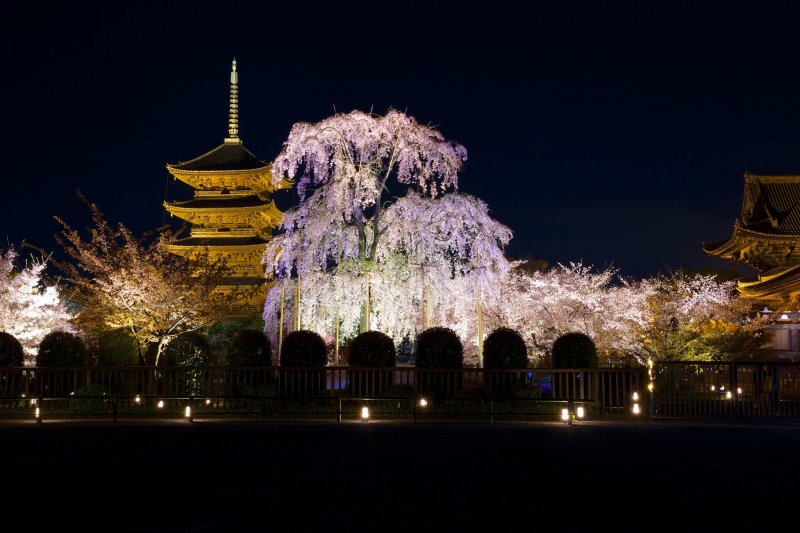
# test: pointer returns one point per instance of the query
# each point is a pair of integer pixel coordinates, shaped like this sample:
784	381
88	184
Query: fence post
339	416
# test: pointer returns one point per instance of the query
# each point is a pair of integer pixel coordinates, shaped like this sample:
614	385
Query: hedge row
436	347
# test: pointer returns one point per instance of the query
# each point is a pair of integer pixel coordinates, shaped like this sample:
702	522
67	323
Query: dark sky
613	136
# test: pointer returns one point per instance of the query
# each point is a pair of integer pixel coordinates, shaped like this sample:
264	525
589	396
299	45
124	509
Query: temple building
232	214
766	237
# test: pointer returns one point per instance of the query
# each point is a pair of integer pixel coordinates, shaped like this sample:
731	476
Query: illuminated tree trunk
336	346
364	326
297	305
280	321
480	332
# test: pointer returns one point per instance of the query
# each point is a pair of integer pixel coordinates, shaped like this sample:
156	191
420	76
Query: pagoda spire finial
233	112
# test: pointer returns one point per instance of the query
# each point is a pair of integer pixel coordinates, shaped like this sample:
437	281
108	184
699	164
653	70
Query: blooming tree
543	305
346	164
439	258
698	318
29	307
121	281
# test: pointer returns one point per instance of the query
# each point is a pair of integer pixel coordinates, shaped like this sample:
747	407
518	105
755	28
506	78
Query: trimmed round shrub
11	352
249	347
504	348
303	348
187	349
438	352
117	347
60	348
371	349
574	350
439	347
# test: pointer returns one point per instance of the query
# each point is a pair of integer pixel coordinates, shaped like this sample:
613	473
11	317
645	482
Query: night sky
612	136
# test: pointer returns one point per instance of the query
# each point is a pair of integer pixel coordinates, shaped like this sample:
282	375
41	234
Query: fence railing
726	389
680	389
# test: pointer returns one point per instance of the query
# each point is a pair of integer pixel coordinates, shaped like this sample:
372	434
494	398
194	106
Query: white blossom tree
545	305
120	280
346	164
30	308
440	257
698	318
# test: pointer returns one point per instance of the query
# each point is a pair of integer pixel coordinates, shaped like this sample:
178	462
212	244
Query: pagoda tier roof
771	205
743	238
231	202
778	284
211	242
225	157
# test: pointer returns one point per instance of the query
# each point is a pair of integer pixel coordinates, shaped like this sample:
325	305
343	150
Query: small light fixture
72	393
636	410
784	316
738	390
138	399
635	396
423	402
160	404
713	388
365	413
728	395
580	412
188	412
36	414
565	414
208	401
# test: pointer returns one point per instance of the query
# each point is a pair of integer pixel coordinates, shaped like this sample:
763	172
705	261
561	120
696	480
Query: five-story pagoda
232	214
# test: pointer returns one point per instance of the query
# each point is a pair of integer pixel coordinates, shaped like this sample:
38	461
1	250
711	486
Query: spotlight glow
423	402
365	413
580	412
565	414
636	410
635	396
188	412
137	399
160	404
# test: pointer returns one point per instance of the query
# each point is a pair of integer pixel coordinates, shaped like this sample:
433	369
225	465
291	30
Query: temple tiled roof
771	204
778	284
227	156
231	202
219	241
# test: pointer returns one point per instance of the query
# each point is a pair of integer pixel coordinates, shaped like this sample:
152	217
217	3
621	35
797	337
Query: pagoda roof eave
228	156
742	238
187	207
218	242
777	284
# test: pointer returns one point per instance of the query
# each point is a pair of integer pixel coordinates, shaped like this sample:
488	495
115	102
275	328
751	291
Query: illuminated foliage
543	305
432	250
698	318
29	307
123	281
